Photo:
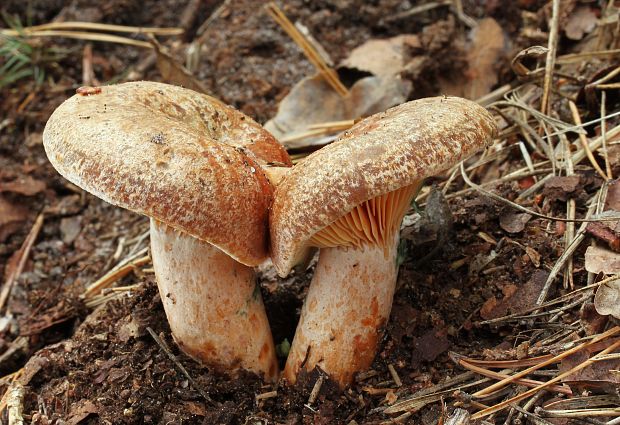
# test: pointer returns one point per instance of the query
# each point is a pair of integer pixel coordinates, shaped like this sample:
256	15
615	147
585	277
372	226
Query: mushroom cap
183	158
378	155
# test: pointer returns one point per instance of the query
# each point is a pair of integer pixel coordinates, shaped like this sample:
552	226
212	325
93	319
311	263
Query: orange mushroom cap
382	153
183	158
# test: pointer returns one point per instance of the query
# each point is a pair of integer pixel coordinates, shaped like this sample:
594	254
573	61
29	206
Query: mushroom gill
373	222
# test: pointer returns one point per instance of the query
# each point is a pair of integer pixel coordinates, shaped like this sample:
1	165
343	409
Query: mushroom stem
347	305
213	304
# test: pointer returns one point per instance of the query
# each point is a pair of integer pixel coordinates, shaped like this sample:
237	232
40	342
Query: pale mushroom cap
181	157
380	154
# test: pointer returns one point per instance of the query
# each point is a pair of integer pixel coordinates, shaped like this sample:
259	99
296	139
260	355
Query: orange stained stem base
213	304
348	303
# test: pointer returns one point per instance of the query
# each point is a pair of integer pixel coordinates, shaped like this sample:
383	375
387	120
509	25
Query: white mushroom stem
348	303
214	307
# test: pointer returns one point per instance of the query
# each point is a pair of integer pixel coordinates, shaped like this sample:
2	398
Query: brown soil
102	366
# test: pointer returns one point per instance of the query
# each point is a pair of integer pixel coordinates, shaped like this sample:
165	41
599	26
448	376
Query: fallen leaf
483	56
607	299
598	375
11	218
70	228
32	367
592	321
173	72
26	186
490	310
561	187
612	202
602	260
382	57
526	182
514	222
480	261
613	155
313	101
581	22
516	298
80	411
404	321
605	234
534	256
429	346
130	328
434	224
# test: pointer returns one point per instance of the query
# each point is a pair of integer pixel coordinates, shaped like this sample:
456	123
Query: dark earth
100	365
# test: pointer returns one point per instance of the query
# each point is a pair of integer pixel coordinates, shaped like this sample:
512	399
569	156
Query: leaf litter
533	279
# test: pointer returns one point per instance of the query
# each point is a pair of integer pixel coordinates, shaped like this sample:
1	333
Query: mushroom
348	199
194	165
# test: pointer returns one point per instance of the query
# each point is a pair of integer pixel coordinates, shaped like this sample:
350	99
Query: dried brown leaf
597	375
612	202
382	57
513	222
516	298
26	186
174	73
607	299
11	217
561	187
313	101
483	56
581	22
605	233
80	411
429	346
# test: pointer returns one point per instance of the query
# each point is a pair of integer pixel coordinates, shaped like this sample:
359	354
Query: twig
584	141
502	364
561	376
527	210
313	56
93	36
458	417
548	303
568	252
578	413
14	402
576	57
395	376
23	253
316	389
604	134
535	419
525	382
114	275
580	128
552	360
569	234
416	10
595	144
92	26
179	366
88	74
551	53
433	394
265	396
458	7
192	57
